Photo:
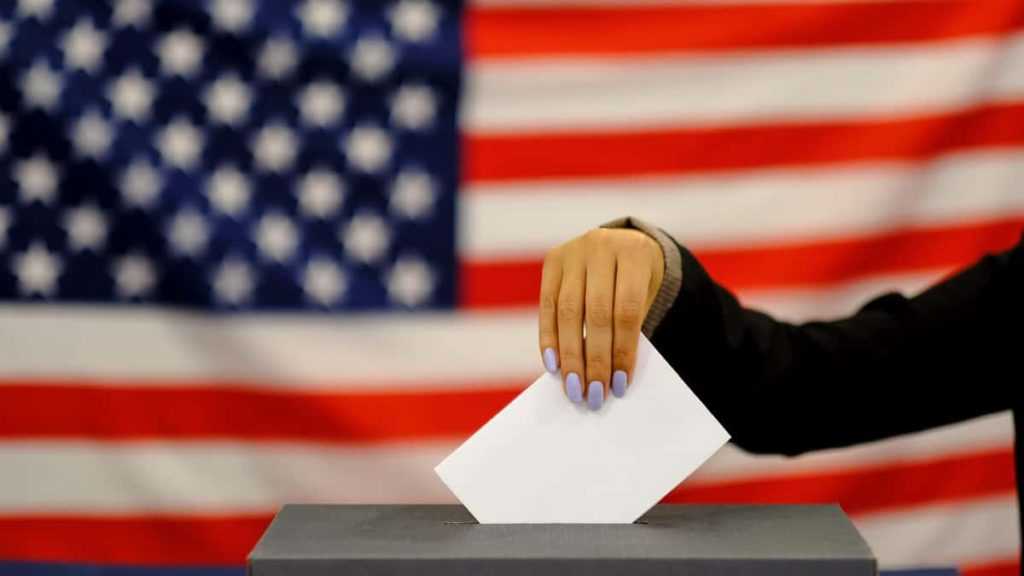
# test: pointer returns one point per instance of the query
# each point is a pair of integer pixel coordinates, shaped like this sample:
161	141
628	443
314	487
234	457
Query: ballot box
697	540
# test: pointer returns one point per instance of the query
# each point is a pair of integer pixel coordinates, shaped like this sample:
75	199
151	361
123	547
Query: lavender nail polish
595	395
619	383
574	388
550	360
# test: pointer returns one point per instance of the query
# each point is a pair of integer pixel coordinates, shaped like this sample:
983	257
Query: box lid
316	540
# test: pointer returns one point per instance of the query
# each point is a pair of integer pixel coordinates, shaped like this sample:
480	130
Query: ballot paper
543	459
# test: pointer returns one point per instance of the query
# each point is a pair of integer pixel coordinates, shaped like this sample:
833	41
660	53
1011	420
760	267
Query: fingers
598	311
570	322
551	280
631	291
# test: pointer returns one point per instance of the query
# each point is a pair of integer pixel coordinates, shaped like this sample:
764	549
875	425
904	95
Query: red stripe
530	32
1003	567
488	284
871	489
552	155
143	540
228	410
204	540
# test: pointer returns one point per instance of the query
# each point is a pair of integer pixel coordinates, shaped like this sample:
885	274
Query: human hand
595	292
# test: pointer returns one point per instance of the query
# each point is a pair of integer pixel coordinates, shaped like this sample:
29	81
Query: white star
233	282
91	136
188	233
366	238
83	46
131	96
322	18
180	143
86	228
274	147
134	276
323	282
276	237
41	86
37	270
277	59
410	281
5	132
415	20
180	53
229	190
232	15
5	225
320	194
412	194
39	9
37	178
368	148
140	185
5	38
413	107
132	13
321	103
372	58
228	100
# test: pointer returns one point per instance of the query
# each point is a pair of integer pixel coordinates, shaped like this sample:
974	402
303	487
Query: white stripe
227	477
353	351
799	305
210	477
960	534
153	347
992	432
746	208
785	85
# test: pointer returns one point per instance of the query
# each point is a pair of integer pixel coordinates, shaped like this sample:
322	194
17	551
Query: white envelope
543	459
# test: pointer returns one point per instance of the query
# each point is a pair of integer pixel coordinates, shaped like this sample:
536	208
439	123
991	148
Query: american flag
264	252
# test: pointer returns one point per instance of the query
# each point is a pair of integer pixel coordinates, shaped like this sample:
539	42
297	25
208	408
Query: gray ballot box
691	540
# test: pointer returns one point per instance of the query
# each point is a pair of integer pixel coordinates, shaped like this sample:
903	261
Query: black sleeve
898	365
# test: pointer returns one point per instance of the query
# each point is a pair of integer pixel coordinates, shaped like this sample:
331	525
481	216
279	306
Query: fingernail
574	388
595	395
550	360
619	383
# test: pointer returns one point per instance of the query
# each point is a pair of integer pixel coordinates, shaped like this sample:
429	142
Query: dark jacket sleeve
898	365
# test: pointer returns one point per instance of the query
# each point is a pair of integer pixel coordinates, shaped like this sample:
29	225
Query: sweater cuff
673	277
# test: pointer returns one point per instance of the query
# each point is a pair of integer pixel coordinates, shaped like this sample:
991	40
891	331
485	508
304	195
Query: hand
605	281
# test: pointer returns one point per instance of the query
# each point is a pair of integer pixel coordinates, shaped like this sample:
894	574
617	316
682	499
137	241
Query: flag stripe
982	533
231	411
151	347
497	284
226	410
140	540
953	534
525	32
745	209
989	433
156	347
244	476
673	151
716	91
908	484
1009	566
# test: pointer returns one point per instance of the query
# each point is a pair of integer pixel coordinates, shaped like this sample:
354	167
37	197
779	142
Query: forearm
896	366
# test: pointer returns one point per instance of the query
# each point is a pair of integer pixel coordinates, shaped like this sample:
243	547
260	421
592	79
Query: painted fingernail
574	388
550	360
619	383
595	395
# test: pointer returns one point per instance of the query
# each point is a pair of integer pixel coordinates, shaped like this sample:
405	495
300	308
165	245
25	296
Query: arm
898	365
